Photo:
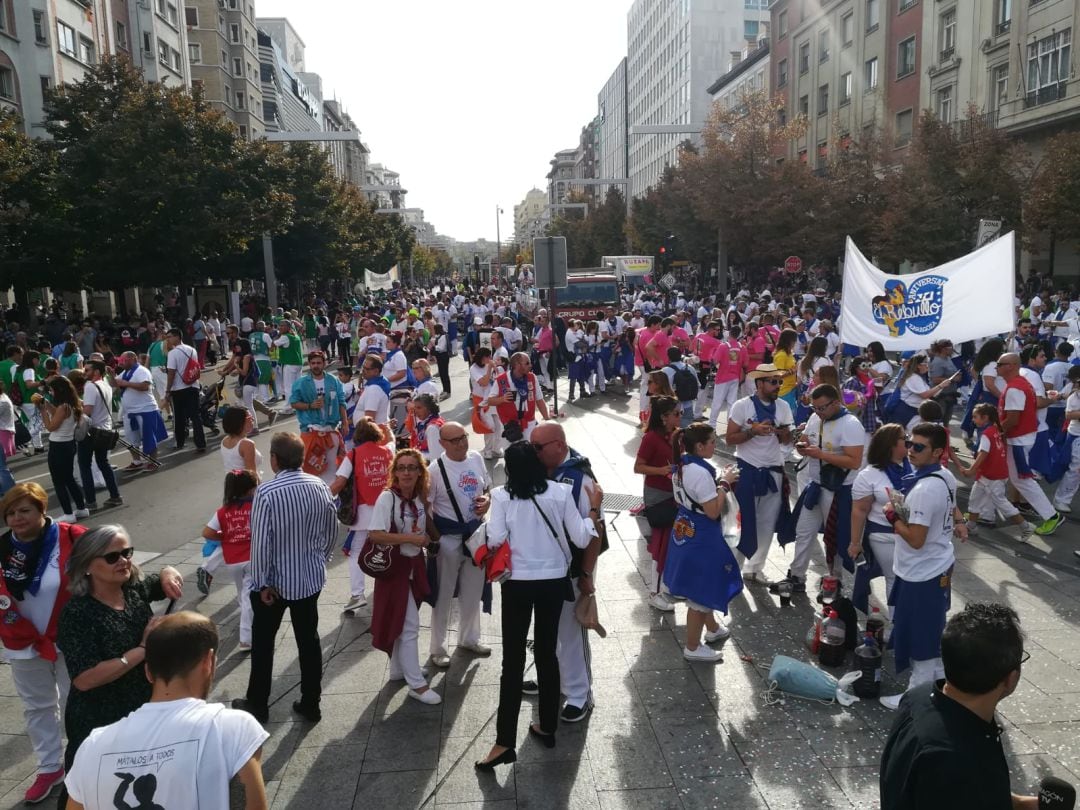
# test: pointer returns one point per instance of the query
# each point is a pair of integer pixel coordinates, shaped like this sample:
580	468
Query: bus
588	291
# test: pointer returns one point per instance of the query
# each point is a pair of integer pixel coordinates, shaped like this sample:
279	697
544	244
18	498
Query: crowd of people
824	436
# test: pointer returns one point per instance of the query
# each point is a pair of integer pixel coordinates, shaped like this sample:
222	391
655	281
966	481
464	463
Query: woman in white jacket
538	518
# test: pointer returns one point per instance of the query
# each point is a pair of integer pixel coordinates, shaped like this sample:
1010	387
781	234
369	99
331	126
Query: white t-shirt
469	479
1073	404
177	360
182	753
477	373
1056	375
101	409
343	331
1037	383
132	401
913	386
381	517
428	386
872	481
760	451
246	324
395	365
847	431
374	399
931	504
990	370
695	482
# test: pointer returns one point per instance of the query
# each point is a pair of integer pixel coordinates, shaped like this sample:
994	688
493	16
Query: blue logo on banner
917	309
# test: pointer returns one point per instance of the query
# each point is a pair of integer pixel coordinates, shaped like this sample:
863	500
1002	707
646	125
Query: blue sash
1021	459
865	574
1039	453
756	482
896	410
1060	456
151	429
808	499
919	611
978	395
700	566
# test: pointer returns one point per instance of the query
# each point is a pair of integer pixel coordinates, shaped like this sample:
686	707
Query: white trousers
33	423
883	547
989	496
161	385
249	403
43	686
542	372
214	561
724	395
456	571
241	575
289	375
1070	482
405	659
1029	488
806	531
766	510
644	388
575	657
356	573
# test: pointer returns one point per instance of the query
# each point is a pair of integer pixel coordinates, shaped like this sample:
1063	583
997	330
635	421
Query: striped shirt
293	532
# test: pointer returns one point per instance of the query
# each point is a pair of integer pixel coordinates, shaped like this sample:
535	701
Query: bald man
181	738
143	424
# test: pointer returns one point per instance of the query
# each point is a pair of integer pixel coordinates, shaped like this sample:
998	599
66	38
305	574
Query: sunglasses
407	468
773	380
1025	656
918	447
113	557
825	407
464	437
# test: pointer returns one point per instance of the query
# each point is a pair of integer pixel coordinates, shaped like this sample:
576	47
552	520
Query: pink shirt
643	337
543	339
680	337
730	359
755	352
704	345
656	350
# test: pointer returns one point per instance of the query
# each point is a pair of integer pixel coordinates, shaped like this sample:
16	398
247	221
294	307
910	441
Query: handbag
587	615
103	438
832	477
569	596
662	515
382	560
346	511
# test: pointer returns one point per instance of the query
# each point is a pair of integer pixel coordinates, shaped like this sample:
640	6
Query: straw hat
764	370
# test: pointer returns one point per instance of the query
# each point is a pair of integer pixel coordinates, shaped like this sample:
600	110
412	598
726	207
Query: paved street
665	734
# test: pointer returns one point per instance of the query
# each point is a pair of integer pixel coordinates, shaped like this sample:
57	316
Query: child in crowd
231	526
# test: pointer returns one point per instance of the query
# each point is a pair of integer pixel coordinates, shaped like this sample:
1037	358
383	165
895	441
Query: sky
467	100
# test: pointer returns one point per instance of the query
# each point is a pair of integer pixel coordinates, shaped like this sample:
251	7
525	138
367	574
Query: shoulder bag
103	438
346	512
569	595
472	539
382	560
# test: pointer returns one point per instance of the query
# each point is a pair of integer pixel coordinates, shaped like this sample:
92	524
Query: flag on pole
965	299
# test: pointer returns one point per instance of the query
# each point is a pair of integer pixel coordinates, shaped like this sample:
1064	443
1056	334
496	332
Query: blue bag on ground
801	679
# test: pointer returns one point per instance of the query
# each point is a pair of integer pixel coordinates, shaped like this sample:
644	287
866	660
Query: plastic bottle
833	634
875	624
868	659
814	633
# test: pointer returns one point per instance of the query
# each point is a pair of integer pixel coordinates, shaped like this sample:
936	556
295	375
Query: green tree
1052	206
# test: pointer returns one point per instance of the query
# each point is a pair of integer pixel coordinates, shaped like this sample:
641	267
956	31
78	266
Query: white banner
965	299
378	281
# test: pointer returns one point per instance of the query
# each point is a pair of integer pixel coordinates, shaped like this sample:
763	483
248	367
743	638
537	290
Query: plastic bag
731	521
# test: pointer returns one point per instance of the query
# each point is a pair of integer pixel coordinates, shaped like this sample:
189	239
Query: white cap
478	321
766	292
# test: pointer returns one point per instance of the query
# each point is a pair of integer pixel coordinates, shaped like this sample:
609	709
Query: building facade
561	172
749	73
587	159
287	103
155	35
530	217
349	158
675	50
614	133
223	52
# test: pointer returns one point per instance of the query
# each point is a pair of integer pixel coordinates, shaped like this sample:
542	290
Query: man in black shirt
944	750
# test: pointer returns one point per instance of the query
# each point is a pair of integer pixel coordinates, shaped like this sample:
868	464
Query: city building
748	72
675	51
587	159
349	158
391	195
562	170
154	34
614	134
287	103
223	51
530	217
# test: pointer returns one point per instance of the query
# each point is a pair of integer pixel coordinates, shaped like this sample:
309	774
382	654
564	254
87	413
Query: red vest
418	431
1029	417
235	522
994	466
371	470
508	411
17	632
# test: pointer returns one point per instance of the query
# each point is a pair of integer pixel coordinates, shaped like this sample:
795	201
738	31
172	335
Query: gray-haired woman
103	631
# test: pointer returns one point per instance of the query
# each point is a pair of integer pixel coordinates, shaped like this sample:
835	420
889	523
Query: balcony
1002	27
1045	95
947	54
967	127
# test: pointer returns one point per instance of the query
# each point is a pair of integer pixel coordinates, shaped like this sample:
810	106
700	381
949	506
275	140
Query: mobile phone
169	607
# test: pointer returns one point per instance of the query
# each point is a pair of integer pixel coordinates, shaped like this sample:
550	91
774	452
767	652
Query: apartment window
147	43
233	5
1048	68
194	52
1002	16
237	67
86	51
224	59
66	40
905	58
870	75
948	34
847	29
227	94
41	36
904	121
873	14
781	117
191	16
234	32
7	83
822	156
822	100
802	156
782	22
845	88
906	4
3	17
750	29
177	63
243	132
823	45
221	23
163	52
121	36
239	101
945	105
804	106
781	73
804	58
1000	86
46	85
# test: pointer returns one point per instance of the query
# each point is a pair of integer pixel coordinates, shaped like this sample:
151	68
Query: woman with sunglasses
654	462
399	518
103	630
33	591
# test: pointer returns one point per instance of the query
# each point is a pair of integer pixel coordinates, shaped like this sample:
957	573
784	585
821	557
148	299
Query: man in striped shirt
293	532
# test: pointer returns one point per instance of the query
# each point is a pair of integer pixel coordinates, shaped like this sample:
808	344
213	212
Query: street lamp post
498	238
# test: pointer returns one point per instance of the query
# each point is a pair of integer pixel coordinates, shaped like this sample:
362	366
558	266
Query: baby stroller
209	403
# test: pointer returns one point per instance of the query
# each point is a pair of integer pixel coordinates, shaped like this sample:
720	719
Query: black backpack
685	384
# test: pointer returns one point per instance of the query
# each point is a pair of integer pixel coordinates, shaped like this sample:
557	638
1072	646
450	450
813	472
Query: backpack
192	370
685	384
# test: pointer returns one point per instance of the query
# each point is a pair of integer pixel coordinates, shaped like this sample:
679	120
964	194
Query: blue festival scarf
910	480
899	474
127	374
763	412
26	563
379	382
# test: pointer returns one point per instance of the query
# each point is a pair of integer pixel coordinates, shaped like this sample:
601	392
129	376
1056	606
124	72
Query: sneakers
756	578
973	528
722	633
440	660
703	654
133	468
244	646
117	501
530	688
92	506
354	603
445	395
82	513
476	649
67	518
1064	509
574	714
891	702
661	603
797	584
203	580
428	696
1050	526
1026	531
43	785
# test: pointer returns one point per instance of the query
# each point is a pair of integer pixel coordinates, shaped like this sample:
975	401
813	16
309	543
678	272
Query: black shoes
546	740
311	714
530	688
574	714
797	585
505	758
260	713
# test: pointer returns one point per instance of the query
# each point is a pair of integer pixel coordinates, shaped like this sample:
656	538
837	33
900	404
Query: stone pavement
665	733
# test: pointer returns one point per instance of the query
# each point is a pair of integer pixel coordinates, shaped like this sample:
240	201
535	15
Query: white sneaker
722	634
1027	530
1063	509
703	654
891	702
660	602
354	603
82	513
428	696
67	519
